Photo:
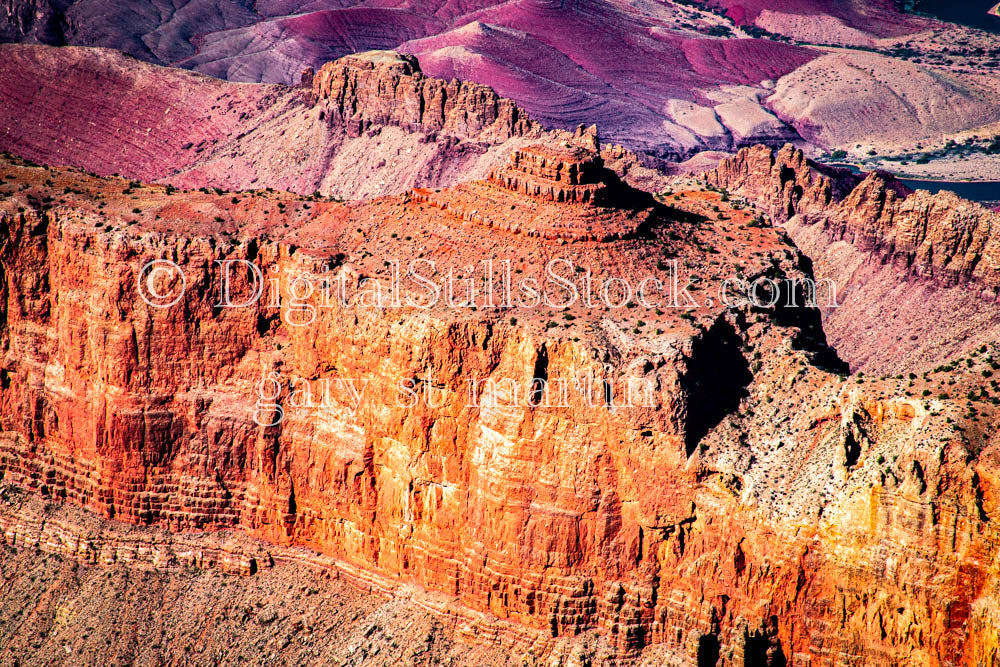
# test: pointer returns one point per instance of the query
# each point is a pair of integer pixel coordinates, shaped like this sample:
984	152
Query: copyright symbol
161	283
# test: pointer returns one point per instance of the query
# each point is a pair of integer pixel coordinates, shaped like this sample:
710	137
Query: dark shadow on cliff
762	648
708	651
799	306
716	381
616	193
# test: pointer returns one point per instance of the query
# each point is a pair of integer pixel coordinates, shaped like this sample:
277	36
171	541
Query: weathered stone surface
759	504
917	273
365	126
60	610
562	174
388	88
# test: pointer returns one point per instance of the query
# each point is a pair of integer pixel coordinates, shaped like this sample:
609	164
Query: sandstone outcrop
918	273
568	174
565	193
388	88
751	507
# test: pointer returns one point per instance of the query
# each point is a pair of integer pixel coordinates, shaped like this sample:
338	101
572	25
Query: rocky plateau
368	365
758	507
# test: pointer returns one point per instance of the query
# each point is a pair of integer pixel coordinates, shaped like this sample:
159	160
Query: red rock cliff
757	510
937	236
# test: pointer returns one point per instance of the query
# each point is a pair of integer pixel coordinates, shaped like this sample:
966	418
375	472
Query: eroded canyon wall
368	125
917	273
788	517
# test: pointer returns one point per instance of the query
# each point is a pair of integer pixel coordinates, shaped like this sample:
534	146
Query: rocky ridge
529	196
936	236
744	514
706	75
937	255
526	52
369	125
381	88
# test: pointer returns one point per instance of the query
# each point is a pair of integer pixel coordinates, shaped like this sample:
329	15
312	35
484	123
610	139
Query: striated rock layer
917	273
562	64
60	607
668	79
387	88
370	124
749	506
571	174
528	196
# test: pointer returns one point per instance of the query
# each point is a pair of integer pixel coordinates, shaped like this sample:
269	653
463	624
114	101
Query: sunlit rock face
412	346
916	273
366	125
749	505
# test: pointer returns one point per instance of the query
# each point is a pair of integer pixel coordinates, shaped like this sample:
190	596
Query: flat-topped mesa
560	174
386	61
387	88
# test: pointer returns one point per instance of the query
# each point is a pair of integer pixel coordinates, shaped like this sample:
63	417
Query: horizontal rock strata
918	273
368	125
749	505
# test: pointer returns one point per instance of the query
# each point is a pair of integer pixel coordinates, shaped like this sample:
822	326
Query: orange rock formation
758	509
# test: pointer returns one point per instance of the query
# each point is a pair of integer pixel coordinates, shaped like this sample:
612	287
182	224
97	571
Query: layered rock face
61	606
563	68
560	192
369	125
561	175
388	88
25	523
918	273
743	506
666	80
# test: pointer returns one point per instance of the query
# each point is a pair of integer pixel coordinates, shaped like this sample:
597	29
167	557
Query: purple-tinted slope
624	65
594	62
160	31
96	109
276	50
878	17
